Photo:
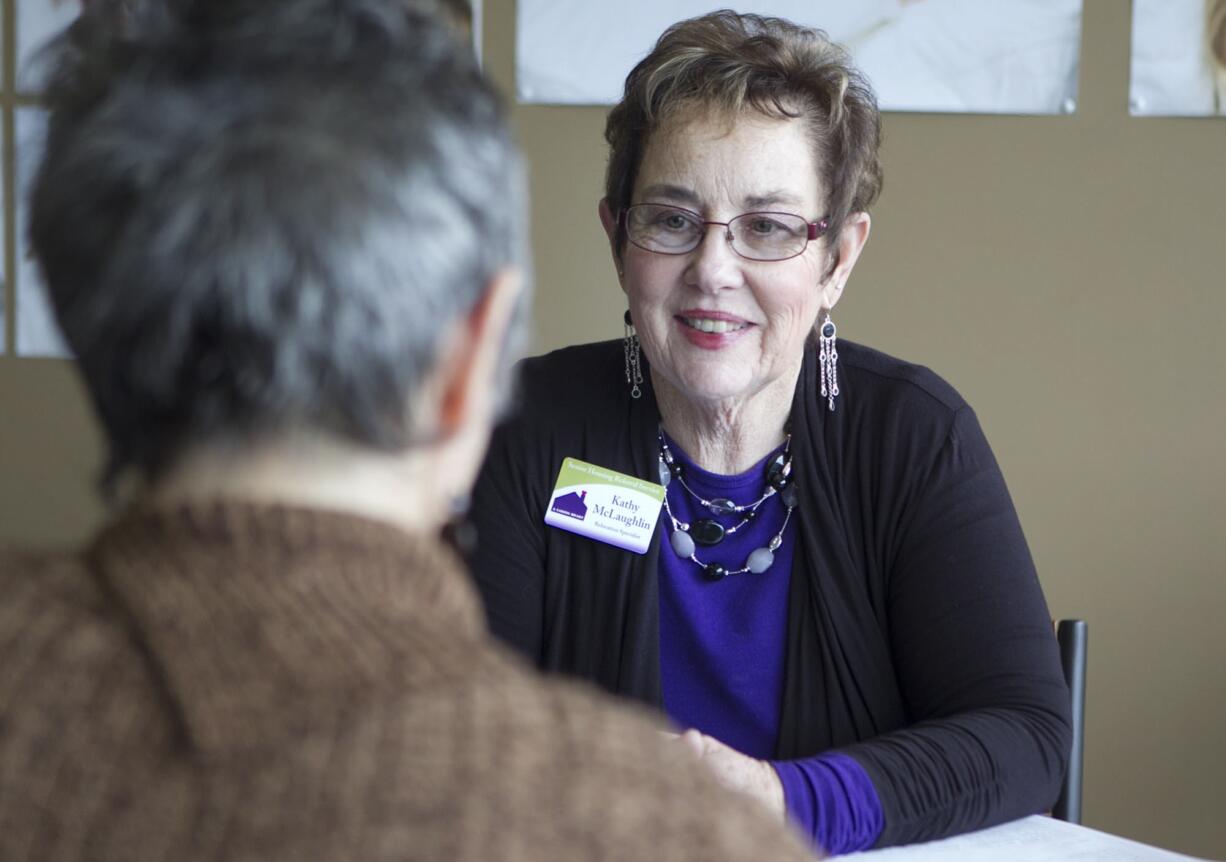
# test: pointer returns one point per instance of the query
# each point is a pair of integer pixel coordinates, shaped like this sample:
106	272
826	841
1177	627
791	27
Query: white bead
683	545
760	560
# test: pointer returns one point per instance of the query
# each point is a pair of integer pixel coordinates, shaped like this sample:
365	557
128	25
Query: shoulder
47	596
883	380
892	418
67	654
56	616
571	402
582	377
903	424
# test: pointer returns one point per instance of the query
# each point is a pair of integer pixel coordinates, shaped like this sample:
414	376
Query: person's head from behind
281	230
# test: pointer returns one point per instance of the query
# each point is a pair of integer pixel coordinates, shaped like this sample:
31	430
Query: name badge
605	505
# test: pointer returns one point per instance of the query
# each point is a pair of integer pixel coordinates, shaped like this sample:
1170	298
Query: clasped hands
736	771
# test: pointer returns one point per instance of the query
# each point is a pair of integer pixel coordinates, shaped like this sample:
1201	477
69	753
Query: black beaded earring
828	359
630	346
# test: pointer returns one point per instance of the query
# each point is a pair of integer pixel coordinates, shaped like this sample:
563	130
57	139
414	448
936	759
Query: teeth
705	324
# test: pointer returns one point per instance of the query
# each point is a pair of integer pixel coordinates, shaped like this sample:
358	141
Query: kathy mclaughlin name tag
605	505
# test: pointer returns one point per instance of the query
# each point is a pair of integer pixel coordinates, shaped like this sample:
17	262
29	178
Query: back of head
728	63
255	216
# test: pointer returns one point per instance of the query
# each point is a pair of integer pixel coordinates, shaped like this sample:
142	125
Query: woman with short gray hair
836	603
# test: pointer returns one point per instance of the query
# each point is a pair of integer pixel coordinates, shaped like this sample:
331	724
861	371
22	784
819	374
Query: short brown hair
729	62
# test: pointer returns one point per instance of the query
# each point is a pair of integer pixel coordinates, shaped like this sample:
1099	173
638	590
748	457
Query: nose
713	264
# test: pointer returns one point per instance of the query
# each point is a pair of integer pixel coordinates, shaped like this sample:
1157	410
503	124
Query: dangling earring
630	346
828	358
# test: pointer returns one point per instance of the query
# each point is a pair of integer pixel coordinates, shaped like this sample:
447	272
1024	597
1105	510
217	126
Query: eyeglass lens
755	235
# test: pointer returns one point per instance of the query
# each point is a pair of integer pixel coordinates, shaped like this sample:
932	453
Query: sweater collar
255	617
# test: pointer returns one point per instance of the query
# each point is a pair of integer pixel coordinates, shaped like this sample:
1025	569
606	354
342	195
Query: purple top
722	655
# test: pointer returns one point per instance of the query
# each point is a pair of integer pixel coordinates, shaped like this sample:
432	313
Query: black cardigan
918	641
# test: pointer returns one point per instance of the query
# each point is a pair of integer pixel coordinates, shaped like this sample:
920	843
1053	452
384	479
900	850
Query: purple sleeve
831	799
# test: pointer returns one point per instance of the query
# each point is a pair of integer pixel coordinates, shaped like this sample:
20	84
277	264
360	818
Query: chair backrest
1072	636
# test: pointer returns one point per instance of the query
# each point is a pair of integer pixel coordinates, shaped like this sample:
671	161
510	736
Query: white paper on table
37	332
37	22
1033	839
1172	71
979	56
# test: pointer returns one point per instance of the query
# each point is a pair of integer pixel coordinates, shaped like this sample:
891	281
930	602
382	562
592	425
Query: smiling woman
723	318
837	603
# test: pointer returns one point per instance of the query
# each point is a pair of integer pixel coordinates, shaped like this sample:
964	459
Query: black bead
674	467
706	531
788	495
714	572
779	472
827	329
775	465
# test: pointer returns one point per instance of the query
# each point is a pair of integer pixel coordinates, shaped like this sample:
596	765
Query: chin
705	386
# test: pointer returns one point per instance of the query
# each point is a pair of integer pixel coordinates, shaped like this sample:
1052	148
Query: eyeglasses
755	236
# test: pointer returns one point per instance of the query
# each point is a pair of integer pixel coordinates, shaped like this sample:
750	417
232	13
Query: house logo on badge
571	505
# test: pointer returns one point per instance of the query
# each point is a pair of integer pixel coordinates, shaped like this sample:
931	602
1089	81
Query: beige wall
1068	275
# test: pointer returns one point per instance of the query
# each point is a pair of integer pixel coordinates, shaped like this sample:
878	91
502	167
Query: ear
608	220
850	243
467	370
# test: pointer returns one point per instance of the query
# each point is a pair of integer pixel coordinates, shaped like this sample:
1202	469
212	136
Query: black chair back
1072	637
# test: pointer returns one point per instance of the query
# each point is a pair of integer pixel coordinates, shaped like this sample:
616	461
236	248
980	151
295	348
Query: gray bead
760	560
666	475
683	545
721	506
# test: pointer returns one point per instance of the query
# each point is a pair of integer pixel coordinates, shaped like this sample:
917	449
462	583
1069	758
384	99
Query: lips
706	324
705	320
711	330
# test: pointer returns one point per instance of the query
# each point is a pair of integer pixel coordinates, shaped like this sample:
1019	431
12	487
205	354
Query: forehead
730	162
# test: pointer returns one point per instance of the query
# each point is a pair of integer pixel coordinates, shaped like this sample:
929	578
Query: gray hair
256	216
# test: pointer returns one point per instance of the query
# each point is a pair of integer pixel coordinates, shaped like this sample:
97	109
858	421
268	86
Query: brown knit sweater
253	682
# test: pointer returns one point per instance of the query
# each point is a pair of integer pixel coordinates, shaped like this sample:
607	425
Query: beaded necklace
708	531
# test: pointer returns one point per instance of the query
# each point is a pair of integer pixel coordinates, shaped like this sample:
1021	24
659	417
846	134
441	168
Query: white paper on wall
4	276
478	27
1173	71
37	22
976	56
37	332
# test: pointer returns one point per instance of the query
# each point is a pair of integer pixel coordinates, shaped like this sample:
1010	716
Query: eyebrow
751	202
671	192
772	198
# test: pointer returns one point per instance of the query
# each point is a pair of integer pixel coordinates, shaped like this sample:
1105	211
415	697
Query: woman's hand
737	771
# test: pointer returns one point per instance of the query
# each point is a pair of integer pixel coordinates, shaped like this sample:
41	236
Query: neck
310	472
730	435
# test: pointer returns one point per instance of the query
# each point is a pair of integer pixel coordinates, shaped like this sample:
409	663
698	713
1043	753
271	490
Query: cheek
648	284
794	302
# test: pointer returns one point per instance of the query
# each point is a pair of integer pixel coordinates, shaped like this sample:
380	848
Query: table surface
1032	839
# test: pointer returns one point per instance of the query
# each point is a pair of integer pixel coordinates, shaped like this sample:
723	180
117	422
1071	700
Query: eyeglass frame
816	230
